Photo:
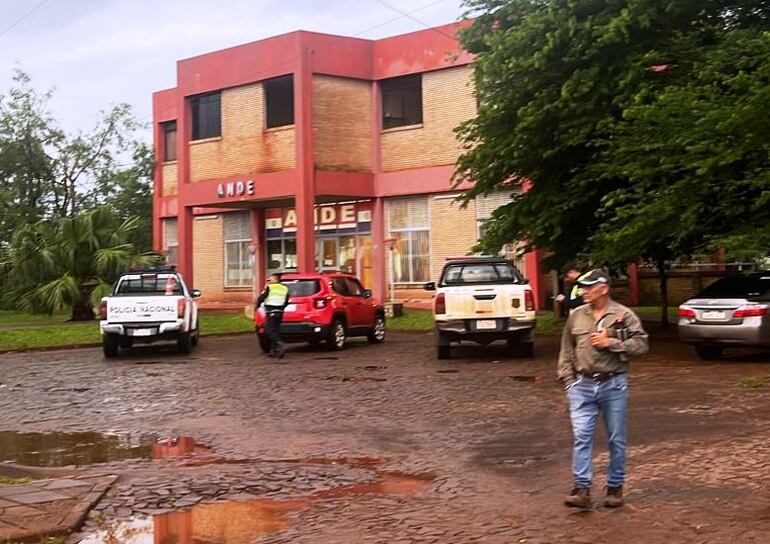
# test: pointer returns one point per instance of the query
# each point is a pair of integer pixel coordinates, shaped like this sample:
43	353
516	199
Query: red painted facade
302	54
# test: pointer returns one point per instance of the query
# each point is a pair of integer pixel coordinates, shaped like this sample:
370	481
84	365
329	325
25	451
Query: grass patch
221	323
753	383
655	310
4	480
56	334
8	317
422	320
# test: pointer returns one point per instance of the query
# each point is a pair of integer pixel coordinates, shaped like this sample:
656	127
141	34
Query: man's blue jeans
587	399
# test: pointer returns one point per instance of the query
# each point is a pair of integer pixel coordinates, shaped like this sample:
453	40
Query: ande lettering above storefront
328	218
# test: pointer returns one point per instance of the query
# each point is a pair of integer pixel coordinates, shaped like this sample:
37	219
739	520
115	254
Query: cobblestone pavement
386	444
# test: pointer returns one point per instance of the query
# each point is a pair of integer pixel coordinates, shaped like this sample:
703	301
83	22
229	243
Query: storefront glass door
326	254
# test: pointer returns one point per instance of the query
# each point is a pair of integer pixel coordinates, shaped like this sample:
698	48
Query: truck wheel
110	344
197	336
377	334
264	342
708	353
518	348
443	351
184	343
337	336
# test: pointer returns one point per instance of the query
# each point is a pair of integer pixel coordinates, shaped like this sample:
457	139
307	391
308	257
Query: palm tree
71	262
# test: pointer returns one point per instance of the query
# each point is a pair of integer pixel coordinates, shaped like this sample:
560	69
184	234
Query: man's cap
593	277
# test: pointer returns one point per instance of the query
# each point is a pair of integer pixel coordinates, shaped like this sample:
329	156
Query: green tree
70	262
587	99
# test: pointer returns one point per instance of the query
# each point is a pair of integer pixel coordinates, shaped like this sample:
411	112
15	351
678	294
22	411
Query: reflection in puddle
243	522
63	449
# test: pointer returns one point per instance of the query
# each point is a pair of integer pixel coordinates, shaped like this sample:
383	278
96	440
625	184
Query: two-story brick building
309	151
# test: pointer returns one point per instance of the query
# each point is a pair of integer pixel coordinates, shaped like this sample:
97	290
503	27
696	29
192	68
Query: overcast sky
97	53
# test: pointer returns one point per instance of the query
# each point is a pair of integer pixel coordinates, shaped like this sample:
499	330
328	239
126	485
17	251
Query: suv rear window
150	284
751	287
302	288
475	273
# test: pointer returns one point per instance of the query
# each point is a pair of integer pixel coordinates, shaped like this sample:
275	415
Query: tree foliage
70	262
640	124
48	173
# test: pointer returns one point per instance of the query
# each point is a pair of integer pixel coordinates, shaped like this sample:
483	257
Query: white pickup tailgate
142	309
482	301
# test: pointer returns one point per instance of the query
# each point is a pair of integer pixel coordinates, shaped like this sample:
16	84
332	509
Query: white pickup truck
483	299
147	306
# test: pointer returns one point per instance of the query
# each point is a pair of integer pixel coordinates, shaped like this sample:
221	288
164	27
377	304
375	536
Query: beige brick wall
447	101
342	123
245	146
208	256
170	179
452	231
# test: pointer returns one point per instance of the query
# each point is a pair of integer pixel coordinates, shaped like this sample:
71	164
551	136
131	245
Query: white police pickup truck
147	306
483	299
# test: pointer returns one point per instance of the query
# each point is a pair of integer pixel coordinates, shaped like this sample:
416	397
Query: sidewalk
48	507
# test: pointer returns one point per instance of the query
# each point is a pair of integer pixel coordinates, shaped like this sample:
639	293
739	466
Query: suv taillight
320	303
440	306
686	311
180	305
103	309
529	301
751	311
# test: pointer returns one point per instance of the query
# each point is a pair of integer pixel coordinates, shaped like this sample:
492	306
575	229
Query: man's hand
600	340
560	298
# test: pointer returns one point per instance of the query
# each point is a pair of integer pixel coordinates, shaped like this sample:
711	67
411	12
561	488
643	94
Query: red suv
326	307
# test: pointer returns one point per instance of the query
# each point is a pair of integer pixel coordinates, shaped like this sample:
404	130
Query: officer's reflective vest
277	294
575	293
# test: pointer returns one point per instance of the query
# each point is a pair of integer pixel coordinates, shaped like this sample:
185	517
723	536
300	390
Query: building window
279	101
206	116
401	101
238	262
171	241
409	226
168	130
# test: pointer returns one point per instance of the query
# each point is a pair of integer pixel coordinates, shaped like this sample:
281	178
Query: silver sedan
732	311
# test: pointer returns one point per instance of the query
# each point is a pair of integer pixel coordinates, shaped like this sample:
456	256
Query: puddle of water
523	378
63	449
242	522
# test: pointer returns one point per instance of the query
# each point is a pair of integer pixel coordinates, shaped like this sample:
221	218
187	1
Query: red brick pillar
380	252
305	199
534	274
633	284
260	251
185	237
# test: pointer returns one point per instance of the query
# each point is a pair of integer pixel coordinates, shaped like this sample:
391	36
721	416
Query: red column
379	288
185	214
378	242
633	284
258	242
157	190
534	274
305	198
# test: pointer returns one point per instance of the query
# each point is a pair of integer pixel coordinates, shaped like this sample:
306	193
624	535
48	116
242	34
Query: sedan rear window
752	288
302	288
474	273
149	284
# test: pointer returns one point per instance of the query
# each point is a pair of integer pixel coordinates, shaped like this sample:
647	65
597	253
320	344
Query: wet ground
385	444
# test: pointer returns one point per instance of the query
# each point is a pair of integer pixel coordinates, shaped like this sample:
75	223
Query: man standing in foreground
593	365
276	298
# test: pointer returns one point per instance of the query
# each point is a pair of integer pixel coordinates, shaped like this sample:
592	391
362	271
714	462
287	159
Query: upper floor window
168	129
401	101
279	101
206	116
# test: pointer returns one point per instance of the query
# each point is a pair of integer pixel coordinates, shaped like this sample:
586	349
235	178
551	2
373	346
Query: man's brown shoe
614	497
580	497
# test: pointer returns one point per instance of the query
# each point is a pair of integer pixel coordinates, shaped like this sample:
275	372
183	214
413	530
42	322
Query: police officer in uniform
571	275
275	297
